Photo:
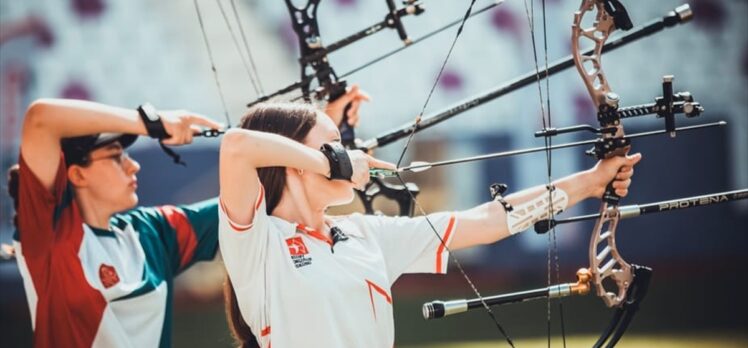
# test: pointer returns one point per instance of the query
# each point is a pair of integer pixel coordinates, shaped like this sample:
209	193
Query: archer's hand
361	163
354	96
619	168
183	125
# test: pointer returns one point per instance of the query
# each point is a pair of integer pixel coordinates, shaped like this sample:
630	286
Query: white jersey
296	289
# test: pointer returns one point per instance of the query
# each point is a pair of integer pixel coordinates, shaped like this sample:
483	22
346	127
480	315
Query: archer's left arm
189	232
489	222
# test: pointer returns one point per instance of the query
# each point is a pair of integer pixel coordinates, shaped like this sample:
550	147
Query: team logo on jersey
299	252
108	275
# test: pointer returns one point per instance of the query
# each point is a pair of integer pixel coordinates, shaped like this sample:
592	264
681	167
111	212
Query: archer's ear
77	176
293	172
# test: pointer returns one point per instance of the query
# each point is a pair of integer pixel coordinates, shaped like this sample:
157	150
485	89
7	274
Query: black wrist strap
340	163
156	130
152	121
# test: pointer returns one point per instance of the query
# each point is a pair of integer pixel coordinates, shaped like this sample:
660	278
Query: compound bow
617	282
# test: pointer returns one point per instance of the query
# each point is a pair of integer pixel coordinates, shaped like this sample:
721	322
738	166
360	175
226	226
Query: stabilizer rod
634	210
440	309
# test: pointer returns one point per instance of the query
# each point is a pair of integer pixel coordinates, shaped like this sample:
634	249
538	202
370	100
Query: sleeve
39	209
188	233
244	247
195	227
410	245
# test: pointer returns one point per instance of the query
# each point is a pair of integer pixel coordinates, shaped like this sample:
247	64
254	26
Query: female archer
97	270
298	277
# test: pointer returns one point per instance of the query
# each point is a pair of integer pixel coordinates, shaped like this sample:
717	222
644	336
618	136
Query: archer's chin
133	201
344	198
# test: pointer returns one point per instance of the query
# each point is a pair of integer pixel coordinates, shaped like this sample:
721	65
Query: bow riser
605	260
589	65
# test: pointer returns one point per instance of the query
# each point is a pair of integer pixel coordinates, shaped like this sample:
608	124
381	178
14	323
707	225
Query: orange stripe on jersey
237	228
241	228
442	246
378	289
260	197
314	233
265	331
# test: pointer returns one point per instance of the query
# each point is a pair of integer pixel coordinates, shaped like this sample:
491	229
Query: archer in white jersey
301	278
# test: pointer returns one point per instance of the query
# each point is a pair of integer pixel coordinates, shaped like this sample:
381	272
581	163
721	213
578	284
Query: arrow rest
606	147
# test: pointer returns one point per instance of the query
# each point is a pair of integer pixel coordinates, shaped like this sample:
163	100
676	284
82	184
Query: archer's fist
617	169
182	125
353	96
361	163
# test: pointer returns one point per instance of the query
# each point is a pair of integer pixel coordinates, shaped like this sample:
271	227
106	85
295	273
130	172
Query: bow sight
667	107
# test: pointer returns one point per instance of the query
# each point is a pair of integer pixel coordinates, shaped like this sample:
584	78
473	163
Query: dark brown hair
292	121
13	182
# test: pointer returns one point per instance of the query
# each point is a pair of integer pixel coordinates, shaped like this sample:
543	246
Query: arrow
421	166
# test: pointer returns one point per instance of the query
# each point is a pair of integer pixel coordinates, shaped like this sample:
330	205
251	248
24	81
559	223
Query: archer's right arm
243	152
47	121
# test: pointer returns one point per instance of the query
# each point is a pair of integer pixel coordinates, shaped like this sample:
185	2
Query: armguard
524	215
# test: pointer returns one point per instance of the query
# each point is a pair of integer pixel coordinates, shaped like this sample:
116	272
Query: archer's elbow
37	114
239	145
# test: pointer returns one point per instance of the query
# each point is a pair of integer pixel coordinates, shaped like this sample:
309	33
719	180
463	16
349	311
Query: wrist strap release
156	130
340	163
152	121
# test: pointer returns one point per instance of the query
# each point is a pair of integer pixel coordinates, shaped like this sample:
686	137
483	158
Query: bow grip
610	195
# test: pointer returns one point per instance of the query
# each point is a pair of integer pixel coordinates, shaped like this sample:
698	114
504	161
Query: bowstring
212	63
454	259
246	48
545	111
235	41
552	234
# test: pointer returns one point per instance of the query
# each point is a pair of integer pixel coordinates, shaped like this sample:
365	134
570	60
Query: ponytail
293	121
239	328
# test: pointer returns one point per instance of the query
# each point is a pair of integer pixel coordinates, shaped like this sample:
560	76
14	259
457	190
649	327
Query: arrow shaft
554	147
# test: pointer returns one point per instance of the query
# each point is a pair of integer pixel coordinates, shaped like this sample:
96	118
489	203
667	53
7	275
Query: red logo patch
108	275
296	246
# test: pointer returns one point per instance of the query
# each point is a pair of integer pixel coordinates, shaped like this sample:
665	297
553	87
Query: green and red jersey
109	288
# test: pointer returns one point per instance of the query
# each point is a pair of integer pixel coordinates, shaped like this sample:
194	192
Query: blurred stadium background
127	52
